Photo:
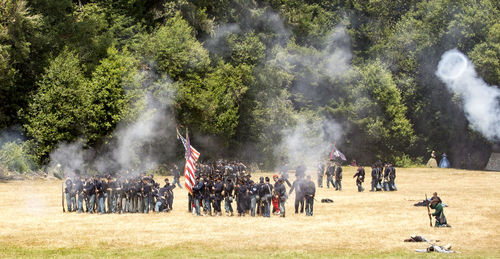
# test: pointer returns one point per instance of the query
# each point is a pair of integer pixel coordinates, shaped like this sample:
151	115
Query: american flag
191	157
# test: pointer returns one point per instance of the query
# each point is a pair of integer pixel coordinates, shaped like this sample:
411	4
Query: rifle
428	210
62	196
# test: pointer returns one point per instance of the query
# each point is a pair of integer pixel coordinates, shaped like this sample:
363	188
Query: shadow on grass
200	252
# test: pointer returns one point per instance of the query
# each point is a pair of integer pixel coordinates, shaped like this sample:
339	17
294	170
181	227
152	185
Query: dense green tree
18	27
173	49
378	115
58	109
109	100
243	72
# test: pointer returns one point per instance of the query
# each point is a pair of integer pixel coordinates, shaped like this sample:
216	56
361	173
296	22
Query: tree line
242	70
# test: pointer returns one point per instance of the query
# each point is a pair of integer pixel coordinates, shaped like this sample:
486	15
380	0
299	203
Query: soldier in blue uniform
198	195
298	186
338	177
68	190
267	191
392	178
309	193
360	178
253	192
90	192
78	187
177	176
218	188
374	178
330	171
228	196
280	191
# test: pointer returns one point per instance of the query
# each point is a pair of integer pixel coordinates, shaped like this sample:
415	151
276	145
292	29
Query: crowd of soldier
382	179
229	182
127	194
217	183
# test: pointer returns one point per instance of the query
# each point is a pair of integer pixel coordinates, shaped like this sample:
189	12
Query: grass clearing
355	225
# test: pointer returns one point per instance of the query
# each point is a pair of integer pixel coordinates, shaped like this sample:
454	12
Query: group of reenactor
127	194
333	171
383	176
231	182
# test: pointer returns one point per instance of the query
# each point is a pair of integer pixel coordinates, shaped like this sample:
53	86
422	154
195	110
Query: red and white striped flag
191	157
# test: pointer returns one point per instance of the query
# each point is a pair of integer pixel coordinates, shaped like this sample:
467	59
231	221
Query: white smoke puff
338	53
68	157
309	141
132	138
481	102
133	142
334	60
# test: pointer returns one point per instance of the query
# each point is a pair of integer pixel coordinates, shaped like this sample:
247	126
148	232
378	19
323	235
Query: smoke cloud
136	146
309	141
311	138
481	102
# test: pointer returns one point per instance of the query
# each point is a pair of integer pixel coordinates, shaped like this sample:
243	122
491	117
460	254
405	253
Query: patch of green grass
200	252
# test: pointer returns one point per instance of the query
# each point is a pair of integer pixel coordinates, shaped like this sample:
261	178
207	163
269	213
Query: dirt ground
365	224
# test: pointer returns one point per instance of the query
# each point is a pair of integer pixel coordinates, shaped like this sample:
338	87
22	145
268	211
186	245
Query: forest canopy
252	80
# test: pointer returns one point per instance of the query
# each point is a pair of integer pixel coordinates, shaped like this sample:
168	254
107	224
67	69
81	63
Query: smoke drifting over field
135	146
309	140
481	102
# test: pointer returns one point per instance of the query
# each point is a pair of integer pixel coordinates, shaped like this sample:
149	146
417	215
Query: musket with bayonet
428	210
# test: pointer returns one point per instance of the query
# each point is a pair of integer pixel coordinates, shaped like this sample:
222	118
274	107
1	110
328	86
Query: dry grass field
356	225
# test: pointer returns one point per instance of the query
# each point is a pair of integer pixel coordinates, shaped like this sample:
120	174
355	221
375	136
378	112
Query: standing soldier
253	191
218	187
387	171
109	194
241	198
280	191
360	174
207	192
67	190
338	177
228	194
139	187
101	189
298	185
380	175
90	192
78	185
309	193
147	197
267	197
169	194
177	176
321	172
392	178
330	171
374	178
197	195
124	193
